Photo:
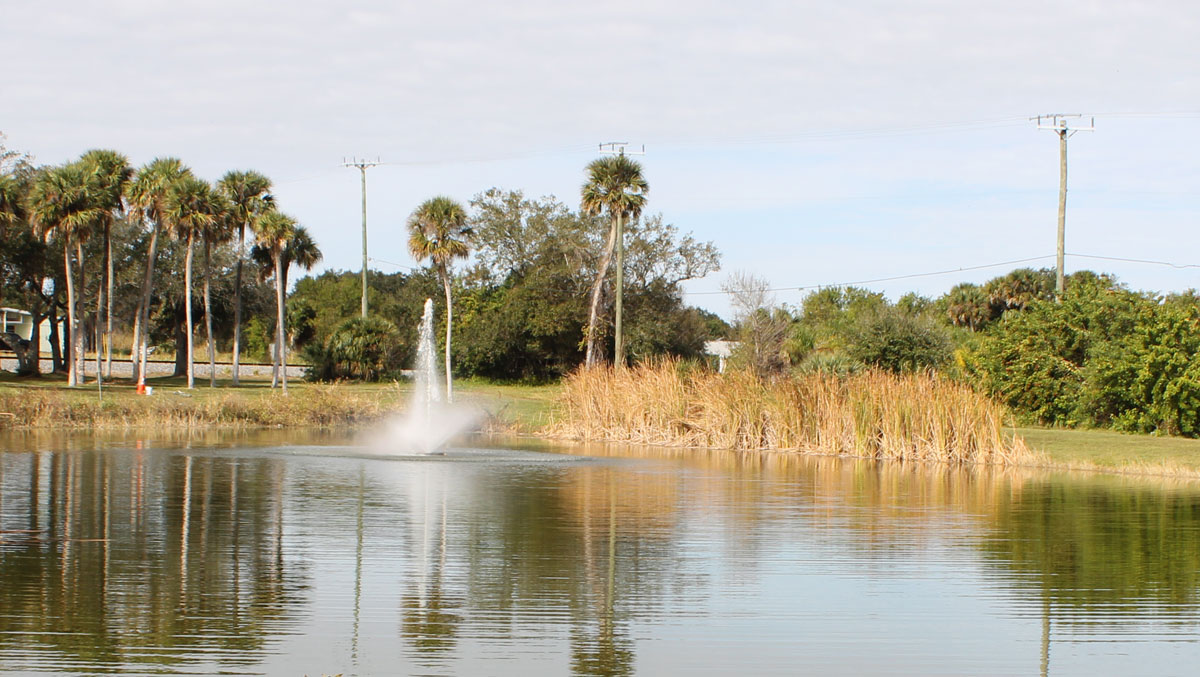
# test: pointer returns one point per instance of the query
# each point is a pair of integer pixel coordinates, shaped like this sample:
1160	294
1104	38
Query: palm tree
301	250
109	173
60	206
438	231
147	196
248	193
615	185
273	230
217	233
191	208
11	208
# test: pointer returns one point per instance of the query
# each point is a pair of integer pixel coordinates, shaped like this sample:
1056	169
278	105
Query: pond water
287	553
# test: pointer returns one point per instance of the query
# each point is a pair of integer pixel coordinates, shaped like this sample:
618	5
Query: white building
20	322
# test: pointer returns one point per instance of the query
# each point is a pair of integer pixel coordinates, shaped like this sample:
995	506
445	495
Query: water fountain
429	421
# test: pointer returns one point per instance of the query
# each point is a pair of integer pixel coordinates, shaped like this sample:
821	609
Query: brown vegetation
875	415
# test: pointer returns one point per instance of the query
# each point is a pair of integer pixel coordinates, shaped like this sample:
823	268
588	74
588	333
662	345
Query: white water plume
429	422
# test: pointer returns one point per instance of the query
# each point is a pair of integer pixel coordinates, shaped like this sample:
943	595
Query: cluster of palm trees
439	231
74	202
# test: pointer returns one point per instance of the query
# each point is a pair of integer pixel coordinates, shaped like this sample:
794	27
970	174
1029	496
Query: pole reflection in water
194	556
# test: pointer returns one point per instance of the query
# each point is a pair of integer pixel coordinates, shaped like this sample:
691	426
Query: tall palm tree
438	231
273	229
109	173
301	250
249	195
191	208
219	232
60	206
147	196
614	185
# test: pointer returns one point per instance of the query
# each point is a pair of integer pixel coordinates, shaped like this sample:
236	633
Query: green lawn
529	407
1105	449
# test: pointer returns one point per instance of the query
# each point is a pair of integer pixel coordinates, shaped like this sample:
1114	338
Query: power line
892	278
1147	261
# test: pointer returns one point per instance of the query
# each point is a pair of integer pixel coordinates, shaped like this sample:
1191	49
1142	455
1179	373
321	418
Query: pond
304	553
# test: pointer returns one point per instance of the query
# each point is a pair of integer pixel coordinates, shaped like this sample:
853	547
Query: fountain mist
429	421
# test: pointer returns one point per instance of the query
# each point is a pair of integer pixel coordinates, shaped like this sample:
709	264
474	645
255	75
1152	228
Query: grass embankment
1110	451
47	403
873	415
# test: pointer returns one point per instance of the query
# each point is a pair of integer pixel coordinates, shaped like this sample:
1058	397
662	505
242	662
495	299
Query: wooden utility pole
362	166
1058	123
619	148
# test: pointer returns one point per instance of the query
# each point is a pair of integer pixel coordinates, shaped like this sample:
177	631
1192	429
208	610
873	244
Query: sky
814	143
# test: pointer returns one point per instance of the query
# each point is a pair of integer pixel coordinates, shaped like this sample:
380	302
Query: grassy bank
47	403
873	415
1109	451
733	413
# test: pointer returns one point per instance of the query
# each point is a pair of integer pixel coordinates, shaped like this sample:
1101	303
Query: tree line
537	296
1098	355
58	219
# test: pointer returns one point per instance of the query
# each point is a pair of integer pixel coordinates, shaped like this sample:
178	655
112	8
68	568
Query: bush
900	342
368	349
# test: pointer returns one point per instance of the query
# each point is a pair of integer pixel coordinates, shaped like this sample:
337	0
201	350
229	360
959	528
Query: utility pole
1059	124
363	166
619	148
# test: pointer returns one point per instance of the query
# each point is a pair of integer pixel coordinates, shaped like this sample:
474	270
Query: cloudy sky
815	143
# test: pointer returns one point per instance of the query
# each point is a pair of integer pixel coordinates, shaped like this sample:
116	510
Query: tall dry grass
874	414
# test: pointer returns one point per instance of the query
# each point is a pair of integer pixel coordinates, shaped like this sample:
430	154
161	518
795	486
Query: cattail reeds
872	414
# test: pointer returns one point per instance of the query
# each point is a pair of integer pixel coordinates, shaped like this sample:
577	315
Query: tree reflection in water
129	557
139	557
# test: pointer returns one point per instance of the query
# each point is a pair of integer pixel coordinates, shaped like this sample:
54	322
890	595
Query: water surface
287	553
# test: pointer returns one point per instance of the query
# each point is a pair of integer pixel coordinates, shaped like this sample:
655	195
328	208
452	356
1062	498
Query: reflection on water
265	553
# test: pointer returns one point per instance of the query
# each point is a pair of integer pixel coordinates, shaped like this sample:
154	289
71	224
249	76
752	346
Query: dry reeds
873	414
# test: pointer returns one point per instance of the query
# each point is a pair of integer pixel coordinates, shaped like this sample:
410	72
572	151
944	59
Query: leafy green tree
249	194
899	341
523	306
1149	380
438	231
1036	360
615	186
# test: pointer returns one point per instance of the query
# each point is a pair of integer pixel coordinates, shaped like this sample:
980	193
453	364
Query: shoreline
511	411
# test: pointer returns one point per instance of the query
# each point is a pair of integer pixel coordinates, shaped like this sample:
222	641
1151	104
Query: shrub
900	342
368	349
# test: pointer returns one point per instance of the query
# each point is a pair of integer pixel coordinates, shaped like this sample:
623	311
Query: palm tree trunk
592	356
56	361
187	310
77	336
212	357
71	374
449	323
143	340
108	263
237	302
279	331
